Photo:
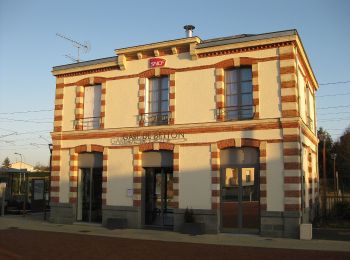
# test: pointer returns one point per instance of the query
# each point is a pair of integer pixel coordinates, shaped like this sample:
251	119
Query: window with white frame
238	94
307	107
157	101
92	107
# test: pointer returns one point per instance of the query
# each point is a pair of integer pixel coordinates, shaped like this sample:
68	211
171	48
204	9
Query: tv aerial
84	47
69	56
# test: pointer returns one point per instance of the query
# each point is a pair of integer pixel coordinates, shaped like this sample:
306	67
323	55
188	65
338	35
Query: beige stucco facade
282	130
121	177
195	178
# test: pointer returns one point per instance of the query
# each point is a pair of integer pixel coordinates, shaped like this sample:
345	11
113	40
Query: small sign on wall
156	62
130	192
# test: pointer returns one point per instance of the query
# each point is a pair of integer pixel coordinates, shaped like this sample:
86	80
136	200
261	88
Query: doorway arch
240	189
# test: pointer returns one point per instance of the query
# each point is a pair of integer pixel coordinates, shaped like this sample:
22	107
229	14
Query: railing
336	205
87	123
235	113
154	118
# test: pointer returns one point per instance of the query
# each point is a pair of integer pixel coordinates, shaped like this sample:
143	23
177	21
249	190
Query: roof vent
189	30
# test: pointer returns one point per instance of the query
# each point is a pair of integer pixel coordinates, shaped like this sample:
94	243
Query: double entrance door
89	208
158	196
240	211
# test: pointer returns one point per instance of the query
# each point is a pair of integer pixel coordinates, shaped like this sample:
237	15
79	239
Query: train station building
225	127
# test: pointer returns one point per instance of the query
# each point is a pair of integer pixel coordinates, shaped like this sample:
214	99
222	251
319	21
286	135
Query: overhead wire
334	83
25	112
335	113
325	120
24	139
341	106
8	130
23	148
333	95
335	129
33	132
27	133
333	119
25	121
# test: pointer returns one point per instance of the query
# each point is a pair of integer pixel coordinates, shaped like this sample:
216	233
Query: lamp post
334	156
20	176
49	187
337	176
324	177
20	185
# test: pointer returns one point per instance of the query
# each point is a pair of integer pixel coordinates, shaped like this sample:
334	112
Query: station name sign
146	137
156	62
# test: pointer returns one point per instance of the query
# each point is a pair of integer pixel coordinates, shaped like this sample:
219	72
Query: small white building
224	126
23	166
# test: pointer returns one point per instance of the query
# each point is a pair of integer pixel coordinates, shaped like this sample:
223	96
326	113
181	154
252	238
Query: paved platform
35	222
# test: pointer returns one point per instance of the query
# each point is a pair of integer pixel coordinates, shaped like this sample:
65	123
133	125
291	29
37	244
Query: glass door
239	199
250	198
230	210
168	195
158	196
89	208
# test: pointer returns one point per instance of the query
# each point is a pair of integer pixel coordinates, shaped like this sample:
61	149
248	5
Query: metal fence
88	123
337	205
155	118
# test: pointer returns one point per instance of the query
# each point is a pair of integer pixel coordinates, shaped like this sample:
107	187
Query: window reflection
231	184
235	178
249	190
231	177
247	176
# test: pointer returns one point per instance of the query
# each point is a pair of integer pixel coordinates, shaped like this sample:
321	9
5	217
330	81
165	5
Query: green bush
188	216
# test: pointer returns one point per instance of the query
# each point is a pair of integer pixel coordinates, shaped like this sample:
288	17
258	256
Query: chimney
189	30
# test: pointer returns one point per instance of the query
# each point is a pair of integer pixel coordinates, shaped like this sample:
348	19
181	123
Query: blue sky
29	48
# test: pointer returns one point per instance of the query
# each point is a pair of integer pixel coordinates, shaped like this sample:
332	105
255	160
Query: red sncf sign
156	62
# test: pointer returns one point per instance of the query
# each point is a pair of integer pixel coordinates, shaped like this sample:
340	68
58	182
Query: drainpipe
316	203
317	162
280	121
47	203
300	154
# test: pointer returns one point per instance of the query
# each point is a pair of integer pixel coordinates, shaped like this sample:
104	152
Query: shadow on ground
339	234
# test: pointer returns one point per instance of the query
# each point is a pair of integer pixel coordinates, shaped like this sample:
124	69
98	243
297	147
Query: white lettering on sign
156	62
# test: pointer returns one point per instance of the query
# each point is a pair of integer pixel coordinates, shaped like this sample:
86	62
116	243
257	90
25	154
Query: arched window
240	194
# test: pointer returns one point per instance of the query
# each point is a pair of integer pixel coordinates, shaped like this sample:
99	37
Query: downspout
302	183
317	166
280	122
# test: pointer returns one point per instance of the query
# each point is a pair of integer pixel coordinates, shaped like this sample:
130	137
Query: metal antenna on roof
69	56
84	46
